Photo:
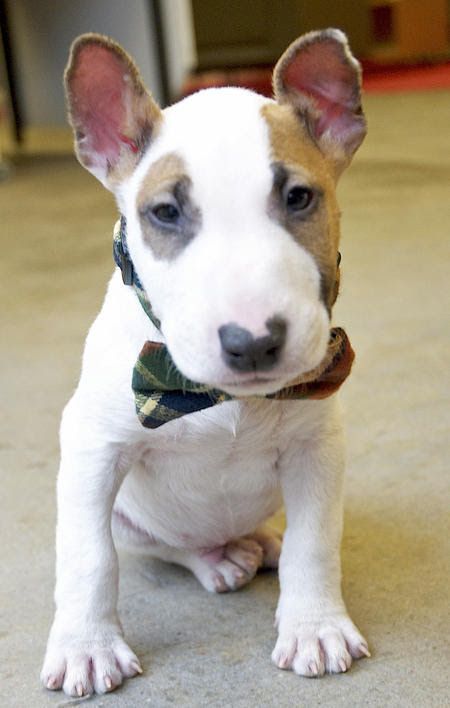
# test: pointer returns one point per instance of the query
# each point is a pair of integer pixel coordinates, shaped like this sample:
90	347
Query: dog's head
229	197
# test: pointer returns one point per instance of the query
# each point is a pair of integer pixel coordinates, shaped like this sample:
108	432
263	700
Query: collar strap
129	276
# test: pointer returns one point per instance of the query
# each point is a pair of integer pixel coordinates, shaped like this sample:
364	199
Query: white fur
205	480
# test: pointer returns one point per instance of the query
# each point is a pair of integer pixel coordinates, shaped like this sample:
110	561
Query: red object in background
422	77
377	78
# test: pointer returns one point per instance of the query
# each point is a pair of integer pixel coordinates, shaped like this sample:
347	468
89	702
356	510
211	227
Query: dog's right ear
111	112
320	78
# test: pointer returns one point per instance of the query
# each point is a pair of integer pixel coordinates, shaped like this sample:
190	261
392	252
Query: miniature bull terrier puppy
205	399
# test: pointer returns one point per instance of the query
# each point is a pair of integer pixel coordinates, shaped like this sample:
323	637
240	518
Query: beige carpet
203	650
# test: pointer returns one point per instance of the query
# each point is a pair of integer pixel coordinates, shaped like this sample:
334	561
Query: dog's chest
225	432
210	477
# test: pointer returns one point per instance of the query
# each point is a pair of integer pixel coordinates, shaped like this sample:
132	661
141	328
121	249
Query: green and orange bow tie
163	394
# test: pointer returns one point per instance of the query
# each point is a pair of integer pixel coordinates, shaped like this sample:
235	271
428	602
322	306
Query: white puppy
229	253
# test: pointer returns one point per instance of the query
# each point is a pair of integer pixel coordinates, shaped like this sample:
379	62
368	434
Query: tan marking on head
166	181
161	175
292	147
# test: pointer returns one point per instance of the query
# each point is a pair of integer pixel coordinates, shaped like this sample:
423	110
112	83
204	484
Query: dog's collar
163	394
129	276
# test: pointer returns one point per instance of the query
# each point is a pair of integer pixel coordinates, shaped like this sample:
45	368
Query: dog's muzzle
241	351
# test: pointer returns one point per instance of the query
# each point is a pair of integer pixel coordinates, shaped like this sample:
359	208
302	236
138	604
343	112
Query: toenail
343	665
136	667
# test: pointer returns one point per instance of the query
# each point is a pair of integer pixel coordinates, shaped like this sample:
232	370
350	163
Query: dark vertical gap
156	13
382	23
11	73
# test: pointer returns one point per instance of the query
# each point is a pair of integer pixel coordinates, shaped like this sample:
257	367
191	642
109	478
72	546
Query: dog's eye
299	198
166	213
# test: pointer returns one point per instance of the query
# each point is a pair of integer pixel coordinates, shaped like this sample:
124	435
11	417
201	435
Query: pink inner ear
323	72
98	95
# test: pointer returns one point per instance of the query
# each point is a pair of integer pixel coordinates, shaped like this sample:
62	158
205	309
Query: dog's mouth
260	384
253	385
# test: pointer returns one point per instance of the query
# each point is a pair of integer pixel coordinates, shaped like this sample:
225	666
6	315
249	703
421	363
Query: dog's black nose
244	352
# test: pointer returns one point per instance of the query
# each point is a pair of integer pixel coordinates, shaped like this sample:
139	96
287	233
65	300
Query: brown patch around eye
167	183
294	156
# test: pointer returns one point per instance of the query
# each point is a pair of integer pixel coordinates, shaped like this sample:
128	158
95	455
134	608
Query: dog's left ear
321	79
111	112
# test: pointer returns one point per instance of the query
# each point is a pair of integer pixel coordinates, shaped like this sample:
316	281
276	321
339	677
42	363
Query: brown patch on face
316	230
167	184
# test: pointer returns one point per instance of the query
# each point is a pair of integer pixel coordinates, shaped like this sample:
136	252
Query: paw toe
284	652
233	575
270	541
106	674
52	674
337	657
126	659
77	681
246	554
309	659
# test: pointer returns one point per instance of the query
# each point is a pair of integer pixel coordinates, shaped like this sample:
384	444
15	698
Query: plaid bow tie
163	394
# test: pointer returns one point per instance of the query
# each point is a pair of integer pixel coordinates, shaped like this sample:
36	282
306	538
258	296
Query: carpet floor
203	650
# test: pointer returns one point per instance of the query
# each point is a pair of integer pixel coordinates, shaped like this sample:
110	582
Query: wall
352	16
180	43
42	31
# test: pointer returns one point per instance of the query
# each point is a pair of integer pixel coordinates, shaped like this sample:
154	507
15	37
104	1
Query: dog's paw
313	648
270	541
84	666
229	567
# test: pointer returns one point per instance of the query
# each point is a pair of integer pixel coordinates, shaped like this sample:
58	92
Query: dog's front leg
85	650
315	631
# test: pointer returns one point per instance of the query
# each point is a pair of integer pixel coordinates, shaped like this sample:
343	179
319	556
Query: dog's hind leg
270	541
220	569
228	567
